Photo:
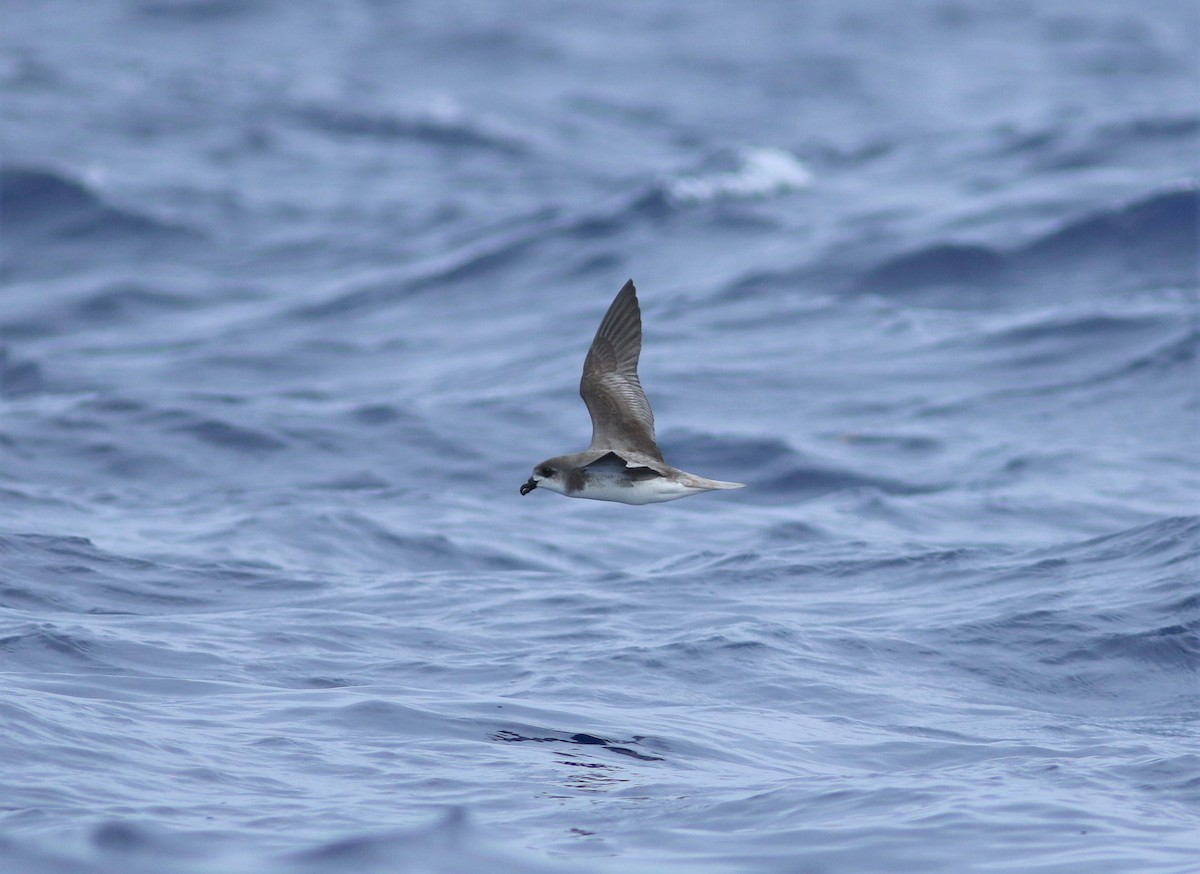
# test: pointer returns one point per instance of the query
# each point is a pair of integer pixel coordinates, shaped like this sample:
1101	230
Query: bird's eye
546	472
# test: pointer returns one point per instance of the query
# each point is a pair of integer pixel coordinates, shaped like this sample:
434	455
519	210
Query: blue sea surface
294	295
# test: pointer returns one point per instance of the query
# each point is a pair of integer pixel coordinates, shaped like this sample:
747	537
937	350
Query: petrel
624	462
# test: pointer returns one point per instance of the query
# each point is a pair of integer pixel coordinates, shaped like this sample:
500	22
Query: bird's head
550	474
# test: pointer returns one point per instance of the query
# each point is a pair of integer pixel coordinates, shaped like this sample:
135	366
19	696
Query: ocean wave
1176	354
127	302
1147	242
355	538
196	11
1172	355
1063	147
1165	224
110	304
1079	622
1105	611
472	262
45	206
451	844
19	376
776	472
440	127
750	174
72	575
1056	327
938	264
1168	542
225	435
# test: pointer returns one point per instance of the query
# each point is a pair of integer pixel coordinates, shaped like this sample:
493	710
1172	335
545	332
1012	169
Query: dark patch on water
619	747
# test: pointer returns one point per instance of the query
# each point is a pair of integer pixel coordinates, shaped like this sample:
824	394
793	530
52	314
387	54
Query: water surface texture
295	295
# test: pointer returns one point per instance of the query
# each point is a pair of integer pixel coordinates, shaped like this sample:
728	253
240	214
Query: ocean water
295	294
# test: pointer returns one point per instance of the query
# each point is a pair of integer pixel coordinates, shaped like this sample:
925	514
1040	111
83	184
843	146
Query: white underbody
619	487
653	491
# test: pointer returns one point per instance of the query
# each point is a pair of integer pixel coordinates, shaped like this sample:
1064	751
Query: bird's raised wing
622	421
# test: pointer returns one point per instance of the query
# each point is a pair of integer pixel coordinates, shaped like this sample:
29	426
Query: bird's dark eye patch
545	471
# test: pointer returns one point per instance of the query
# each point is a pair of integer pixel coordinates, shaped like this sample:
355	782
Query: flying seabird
624	462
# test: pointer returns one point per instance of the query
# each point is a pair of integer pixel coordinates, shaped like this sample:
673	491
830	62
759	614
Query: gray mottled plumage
622	420
623	462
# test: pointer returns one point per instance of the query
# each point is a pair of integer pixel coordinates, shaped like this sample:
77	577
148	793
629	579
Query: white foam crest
759	172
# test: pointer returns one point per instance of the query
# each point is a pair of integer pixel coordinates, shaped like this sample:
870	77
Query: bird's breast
625	487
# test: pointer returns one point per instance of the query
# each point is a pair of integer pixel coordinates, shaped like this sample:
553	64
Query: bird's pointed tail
700	482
